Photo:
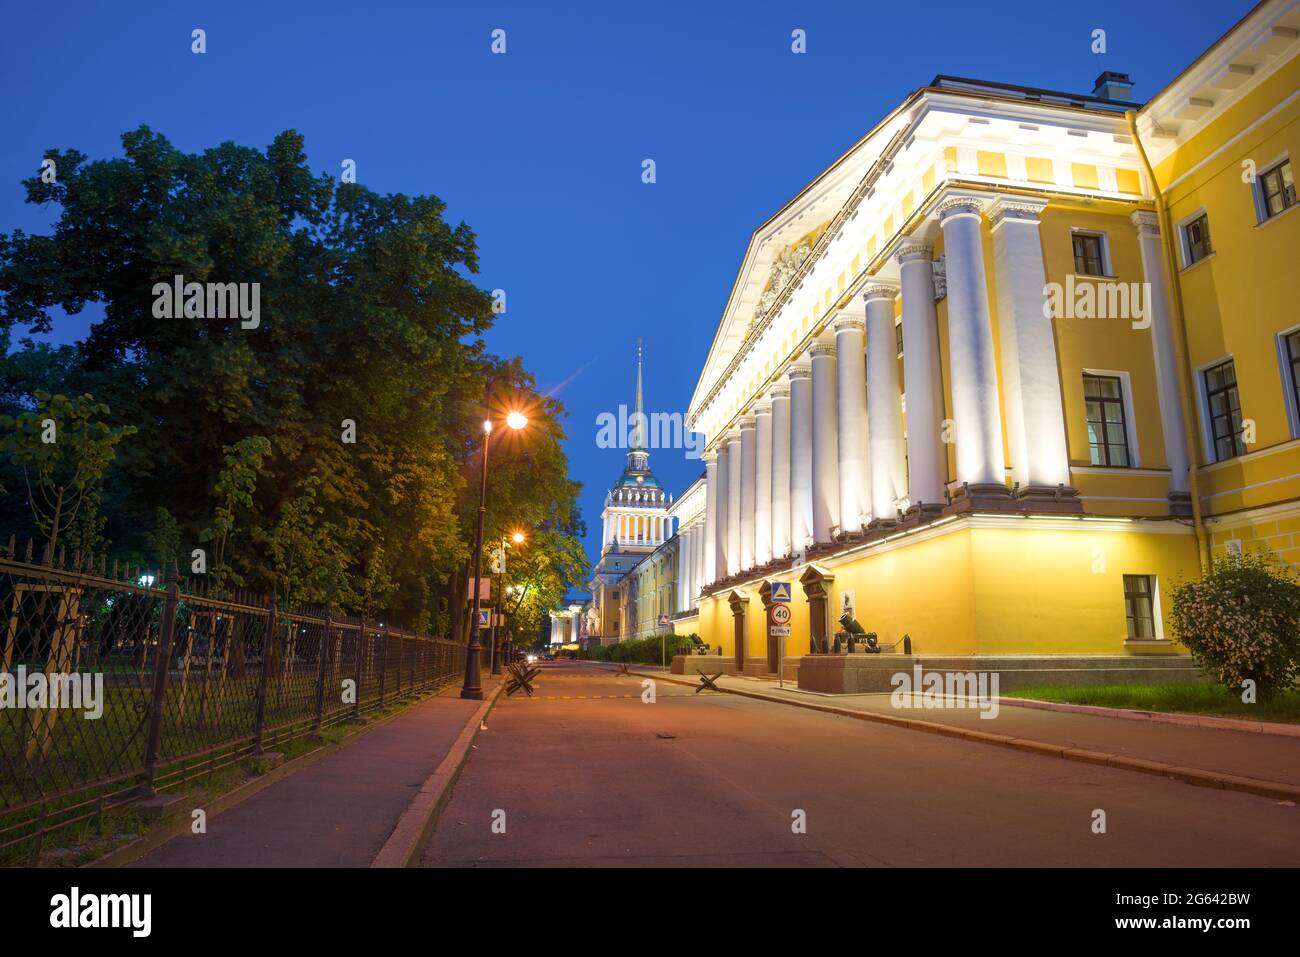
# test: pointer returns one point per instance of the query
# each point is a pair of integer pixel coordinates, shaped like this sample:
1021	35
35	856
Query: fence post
263	679
162	665
401	653
383	664
326	652
362	644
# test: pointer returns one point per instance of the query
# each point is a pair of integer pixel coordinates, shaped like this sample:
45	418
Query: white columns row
644	529
691	542
827	455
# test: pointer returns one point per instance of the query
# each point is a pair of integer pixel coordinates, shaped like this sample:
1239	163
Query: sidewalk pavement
339	811
1209	756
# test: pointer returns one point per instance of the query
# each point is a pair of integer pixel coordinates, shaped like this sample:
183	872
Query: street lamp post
498	614
473	685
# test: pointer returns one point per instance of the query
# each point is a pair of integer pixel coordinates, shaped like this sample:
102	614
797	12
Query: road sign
780	593
779	631
780	614
663	619
483	618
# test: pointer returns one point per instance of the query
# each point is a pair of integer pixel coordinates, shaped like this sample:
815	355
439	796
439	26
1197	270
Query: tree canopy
329	446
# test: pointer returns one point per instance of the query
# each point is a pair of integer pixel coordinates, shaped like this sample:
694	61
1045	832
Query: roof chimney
1113	86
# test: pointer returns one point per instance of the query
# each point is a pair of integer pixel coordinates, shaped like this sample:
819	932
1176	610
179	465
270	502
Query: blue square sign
780	593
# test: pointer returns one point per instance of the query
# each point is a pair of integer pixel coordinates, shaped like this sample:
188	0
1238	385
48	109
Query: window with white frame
1290	353
1090	254
1142	607
1223	411
1196	239
1275	189
1108	427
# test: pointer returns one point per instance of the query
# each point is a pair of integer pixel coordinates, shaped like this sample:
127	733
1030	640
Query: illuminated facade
997	386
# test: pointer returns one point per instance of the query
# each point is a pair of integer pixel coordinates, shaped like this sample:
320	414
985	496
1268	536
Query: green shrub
1242	622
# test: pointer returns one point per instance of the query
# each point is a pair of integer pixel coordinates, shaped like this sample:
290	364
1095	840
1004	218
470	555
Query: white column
780	534
735	468
884	405
801	474
701	542
762	482
927	460
851	433
723	544
1162	348
1030	368
977	422
710	559
748	490
825	443
683	567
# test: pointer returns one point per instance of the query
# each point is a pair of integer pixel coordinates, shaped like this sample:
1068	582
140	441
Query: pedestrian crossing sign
483	618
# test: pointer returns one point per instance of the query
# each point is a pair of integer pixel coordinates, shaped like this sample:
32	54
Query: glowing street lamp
473	686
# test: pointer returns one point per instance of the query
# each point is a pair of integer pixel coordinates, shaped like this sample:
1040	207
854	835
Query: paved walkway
337	812
1262	756
583	775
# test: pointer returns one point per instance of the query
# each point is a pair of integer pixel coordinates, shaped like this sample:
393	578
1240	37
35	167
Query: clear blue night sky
540	150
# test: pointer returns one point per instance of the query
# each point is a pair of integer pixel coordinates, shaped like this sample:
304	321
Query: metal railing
116	685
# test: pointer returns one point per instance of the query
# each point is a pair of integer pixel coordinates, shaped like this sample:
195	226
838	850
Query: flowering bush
1242	621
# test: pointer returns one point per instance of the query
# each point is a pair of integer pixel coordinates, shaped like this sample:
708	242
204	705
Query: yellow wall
1237	300
986	590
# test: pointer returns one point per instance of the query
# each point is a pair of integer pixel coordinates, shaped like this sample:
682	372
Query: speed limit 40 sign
780	614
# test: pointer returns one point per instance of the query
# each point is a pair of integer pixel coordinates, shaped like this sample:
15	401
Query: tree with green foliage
1241	622
64	448
367	314
234	491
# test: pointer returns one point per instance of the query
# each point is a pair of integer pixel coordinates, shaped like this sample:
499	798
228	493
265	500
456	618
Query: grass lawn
1185	697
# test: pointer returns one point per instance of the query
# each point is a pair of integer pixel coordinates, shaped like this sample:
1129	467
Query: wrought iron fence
118	683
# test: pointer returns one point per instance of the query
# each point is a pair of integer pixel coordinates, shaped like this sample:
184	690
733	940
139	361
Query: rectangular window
1277	189
1224	409
1196	234
1088	260
1107	431
898	337
1139	606
1293	360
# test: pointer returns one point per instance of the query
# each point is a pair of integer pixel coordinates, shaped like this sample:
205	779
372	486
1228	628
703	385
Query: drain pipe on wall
1180	345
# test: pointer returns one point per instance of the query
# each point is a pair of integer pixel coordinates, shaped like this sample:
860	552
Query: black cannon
854	633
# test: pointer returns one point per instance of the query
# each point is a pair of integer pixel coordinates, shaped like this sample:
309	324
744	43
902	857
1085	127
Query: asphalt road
585	773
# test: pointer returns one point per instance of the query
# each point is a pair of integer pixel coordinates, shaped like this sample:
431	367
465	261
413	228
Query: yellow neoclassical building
1011	367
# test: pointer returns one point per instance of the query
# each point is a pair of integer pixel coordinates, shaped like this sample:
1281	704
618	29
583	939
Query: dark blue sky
540	150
